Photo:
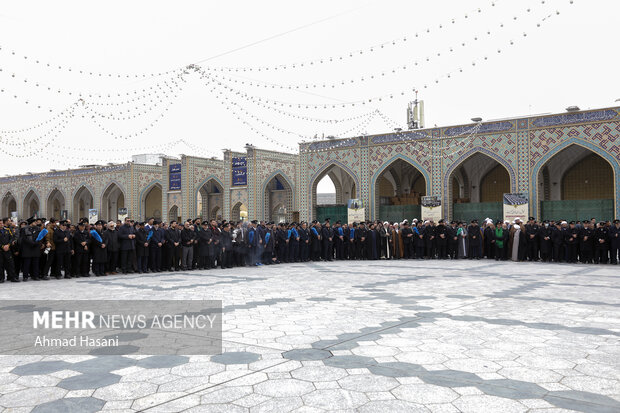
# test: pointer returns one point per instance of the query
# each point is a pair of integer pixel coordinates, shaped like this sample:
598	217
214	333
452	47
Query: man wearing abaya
452	240
501	241
396	242
475	240
463	241
489	238
518	243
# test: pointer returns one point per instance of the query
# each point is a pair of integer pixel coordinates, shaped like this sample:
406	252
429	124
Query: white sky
568	60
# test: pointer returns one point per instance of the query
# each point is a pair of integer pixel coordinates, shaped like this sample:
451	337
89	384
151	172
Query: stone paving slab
395	336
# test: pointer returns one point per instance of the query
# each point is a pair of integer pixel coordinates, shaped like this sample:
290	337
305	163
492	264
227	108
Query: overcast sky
554	61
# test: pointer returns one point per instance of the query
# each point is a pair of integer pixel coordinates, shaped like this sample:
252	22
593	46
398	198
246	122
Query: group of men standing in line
40	249
557	241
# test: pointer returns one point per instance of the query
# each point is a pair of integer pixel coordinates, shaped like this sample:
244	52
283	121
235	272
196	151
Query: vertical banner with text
355	211
431	208
239	171
93	216
122	214
516	206
174	177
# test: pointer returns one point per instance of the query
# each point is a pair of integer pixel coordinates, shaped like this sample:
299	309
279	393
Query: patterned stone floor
408	336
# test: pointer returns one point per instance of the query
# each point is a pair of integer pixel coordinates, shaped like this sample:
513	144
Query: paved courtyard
407	336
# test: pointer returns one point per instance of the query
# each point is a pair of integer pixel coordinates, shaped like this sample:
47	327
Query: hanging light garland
398	41
369	101
458	141
66	115
366	120
403	68
306	118
38	125
68	155
128	113
225	102
50	135
81	71
91	94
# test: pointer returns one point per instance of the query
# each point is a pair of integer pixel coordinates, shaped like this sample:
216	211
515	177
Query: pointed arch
153	193
350	191
9	204
536	192
239	212
113	197
447	184
31	203
211	193
56	202
83	200
173	213
404	186
215	213
272	193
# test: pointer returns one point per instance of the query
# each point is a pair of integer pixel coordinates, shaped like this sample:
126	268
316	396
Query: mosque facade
567	164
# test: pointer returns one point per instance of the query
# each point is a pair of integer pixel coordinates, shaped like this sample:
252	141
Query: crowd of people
39	248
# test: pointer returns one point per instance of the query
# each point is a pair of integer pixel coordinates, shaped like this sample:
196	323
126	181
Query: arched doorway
278	200
152	202
332	205
477	187
173	214
239	212
210	195
82	202
9	205
576	184
112	199
55	204
31	205
398	191
215	213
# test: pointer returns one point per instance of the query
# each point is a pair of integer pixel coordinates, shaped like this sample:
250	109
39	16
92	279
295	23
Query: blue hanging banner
239	171
174	177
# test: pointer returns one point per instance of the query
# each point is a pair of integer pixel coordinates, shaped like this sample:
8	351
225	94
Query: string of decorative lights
368	76
81	71
25	101
152	92
135	134
43	175
366	120
368	101
398	41
303	117
72	156
250	97
30	144
329	59
458	141
87	94
360	128
228	103
199	149
128	113
33	144
37	126
38	150
418	139
225	102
